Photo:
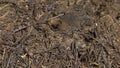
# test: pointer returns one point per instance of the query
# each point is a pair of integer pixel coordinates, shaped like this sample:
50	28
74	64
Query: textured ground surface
59	33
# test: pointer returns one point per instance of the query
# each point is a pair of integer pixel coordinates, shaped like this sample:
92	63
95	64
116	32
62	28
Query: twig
56	16
3	57
3	7
8	61
2	17
17	30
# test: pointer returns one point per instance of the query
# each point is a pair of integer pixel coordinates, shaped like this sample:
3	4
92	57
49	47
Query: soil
59	33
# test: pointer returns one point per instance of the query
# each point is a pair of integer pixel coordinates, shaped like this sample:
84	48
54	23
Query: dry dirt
59	33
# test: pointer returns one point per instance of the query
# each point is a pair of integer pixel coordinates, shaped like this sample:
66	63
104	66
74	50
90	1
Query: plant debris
60	34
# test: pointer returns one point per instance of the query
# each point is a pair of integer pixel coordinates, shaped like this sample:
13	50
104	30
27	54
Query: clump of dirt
59	33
